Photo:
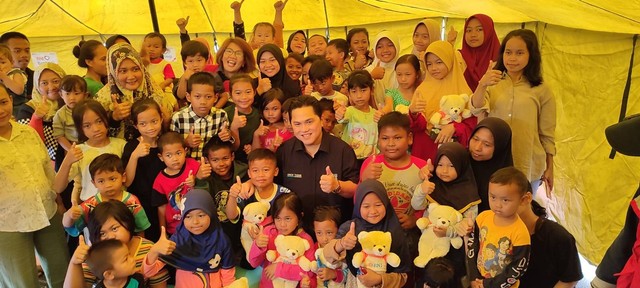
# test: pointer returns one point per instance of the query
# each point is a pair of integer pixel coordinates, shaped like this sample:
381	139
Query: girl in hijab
44	103
452	185
480	46
199	249
373	212
297	43
128	82
427	31
490	150
444	77
273	74
382	69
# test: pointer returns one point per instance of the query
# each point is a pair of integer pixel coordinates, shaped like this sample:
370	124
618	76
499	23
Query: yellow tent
586	48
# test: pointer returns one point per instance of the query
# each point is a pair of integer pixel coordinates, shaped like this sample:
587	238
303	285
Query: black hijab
390	223
291	39
290	87
461	193
502	157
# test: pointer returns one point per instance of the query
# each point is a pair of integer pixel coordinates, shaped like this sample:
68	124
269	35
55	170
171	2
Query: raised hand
205	169
418	103
42	109
141	150
491	77
277	141
308	89
279	5
340	110
236	188
426	171
120	110
247	148
182	24
190	181
427	186
328	181
261	130
164	246
74	154
239	121
349	240
360	59
452	35
193	140
264	84
236	5
80	255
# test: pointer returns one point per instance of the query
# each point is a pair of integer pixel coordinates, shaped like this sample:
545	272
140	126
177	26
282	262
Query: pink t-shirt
267	140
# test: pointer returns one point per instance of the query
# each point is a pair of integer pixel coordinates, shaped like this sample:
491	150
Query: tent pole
326	19
627	88
154	16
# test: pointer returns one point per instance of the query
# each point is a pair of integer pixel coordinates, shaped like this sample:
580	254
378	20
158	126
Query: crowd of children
142	154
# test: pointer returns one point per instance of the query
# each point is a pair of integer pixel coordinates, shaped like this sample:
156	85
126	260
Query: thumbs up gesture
279	5
427	186
236	188
340	110
308	89
239	121
236	5
262	239
80	255
193	140
427	171
359	59
225	134
373	169
190	181
491	77
205	169
74	154
142	150
164	246
452	35
349	240
418	103
70	217
328	182
43	108
261	130
182	24
277	141
120	110
264	84
378	72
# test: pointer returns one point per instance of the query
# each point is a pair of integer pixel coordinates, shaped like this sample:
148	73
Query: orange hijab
454	83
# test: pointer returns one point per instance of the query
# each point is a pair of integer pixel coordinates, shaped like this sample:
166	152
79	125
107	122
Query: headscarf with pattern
37	97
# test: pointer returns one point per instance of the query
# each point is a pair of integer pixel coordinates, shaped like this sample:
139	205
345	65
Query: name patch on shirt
294	175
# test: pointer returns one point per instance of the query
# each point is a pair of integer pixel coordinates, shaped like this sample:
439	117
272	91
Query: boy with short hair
173	183
337	54
107	174
260	187
194	57
328	116
326	220
110	261
200	121
498	249
321	77
395	168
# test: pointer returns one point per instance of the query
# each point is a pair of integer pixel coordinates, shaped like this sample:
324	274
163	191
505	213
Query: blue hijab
207	252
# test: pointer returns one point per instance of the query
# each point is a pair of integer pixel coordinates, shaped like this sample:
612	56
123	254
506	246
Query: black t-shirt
554	257
142	186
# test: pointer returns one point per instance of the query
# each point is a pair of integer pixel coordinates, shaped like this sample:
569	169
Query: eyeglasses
230	52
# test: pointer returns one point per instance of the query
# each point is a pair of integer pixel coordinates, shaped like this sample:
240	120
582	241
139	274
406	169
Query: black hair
395	119
240	78
304	101
215	144
261	154
440	273
311	59
296	57
112	40
71	83
270	96
202	78
144	105
108	209
267	24
326	105
290	201
78	115
341	45
291	39
360	79
320	70
158	35
106	163
316	35
533	70
100	256
85	50
511	175
324	213
4	39
538	209
193	48
171	137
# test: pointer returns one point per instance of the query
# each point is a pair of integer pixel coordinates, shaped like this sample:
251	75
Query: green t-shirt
93	86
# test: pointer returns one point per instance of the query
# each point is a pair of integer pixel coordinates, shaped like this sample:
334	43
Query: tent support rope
627	88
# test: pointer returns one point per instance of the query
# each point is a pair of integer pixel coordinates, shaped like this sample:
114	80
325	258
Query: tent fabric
586	47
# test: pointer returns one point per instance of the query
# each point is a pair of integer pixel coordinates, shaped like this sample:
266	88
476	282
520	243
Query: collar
325	144
158	60
195	116
16	130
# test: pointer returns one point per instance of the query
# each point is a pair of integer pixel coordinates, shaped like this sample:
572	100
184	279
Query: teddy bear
376	252
289	250
452	109
431	246
253	214
322	262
